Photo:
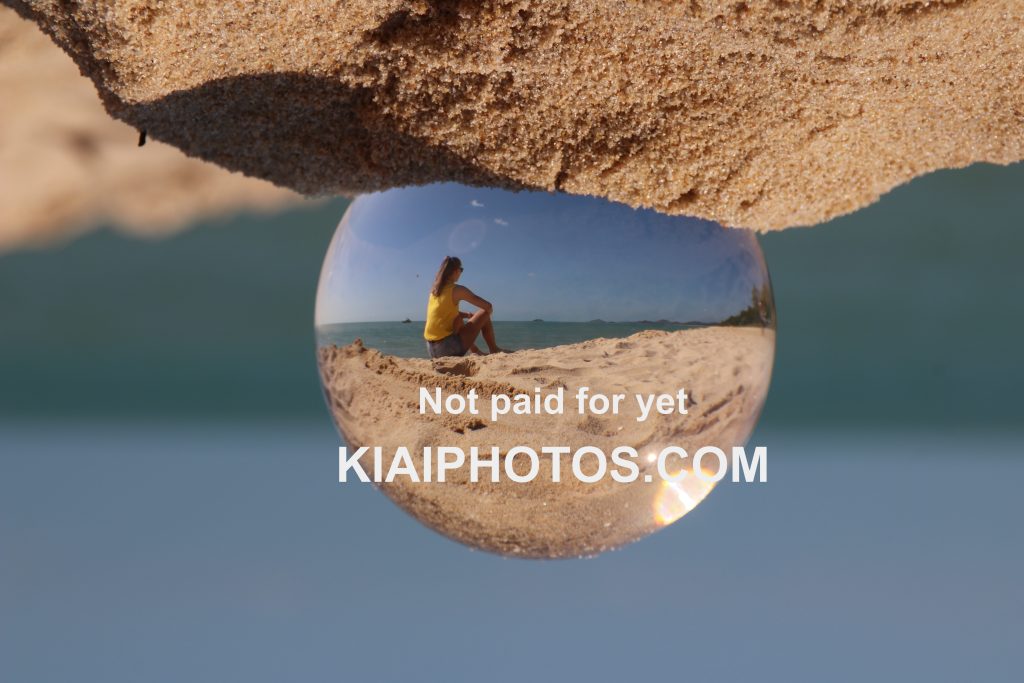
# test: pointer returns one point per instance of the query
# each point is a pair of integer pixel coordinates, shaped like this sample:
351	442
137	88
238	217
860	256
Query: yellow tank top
441	312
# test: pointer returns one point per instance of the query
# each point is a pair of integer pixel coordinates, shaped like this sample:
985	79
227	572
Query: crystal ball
534	374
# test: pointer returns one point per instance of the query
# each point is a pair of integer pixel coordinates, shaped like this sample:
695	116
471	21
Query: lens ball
600	360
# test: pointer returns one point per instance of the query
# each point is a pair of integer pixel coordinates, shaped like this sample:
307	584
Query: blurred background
168	501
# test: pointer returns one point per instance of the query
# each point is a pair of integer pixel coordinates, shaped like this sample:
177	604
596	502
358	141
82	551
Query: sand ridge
760	114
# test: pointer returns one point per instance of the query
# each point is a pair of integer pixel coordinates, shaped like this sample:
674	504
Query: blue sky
534	255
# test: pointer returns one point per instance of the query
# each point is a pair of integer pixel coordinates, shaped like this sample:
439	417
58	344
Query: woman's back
441	313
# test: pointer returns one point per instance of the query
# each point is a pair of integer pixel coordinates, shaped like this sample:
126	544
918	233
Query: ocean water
406	339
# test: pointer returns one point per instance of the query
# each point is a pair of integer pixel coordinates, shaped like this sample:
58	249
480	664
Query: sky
534	255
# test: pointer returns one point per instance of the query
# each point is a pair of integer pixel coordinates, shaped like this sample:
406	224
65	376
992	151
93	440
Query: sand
761	113
374	399
66	166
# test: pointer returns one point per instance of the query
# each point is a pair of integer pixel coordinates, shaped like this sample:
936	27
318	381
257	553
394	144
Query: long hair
444	273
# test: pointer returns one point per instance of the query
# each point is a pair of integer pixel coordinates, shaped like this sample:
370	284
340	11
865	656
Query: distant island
671	322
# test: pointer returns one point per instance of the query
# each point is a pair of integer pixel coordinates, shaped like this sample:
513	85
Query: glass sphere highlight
534	301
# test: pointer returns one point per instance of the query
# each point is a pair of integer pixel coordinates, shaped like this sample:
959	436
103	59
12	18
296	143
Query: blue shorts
449	346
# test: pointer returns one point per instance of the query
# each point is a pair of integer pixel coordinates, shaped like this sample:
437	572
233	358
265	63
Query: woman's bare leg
477	323
471	328
488	332
458	324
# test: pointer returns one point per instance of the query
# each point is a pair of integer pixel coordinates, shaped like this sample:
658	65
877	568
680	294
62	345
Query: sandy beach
374	399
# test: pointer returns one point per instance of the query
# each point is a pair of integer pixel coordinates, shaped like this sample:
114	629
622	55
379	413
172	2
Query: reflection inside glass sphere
425	288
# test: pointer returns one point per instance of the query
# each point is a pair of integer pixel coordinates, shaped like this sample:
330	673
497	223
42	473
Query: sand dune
726	370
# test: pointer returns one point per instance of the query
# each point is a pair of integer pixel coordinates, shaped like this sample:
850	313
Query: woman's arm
461	293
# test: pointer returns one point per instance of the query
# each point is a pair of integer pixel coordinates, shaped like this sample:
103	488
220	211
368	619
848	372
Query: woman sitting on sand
450	332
